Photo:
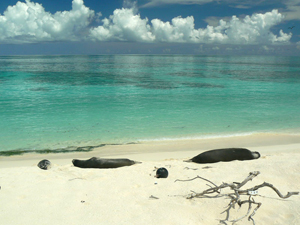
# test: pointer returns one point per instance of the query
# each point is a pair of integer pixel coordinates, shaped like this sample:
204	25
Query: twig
188	168
196	178
250	177
153	197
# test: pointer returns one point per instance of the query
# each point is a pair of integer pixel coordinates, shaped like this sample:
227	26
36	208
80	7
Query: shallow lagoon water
56	102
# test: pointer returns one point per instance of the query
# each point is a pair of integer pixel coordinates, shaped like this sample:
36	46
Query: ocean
74	103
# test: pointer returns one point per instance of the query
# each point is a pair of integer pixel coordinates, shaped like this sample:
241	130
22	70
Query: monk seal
225	155
100	163
162	173
44	164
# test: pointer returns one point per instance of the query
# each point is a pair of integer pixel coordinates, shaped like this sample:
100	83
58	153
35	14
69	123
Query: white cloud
254	29
29	22
179	30
126	26
123	25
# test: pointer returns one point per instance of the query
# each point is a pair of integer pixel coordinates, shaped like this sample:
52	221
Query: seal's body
100	163
225	155
44	164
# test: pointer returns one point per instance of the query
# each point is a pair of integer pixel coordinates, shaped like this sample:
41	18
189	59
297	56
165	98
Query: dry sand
69	195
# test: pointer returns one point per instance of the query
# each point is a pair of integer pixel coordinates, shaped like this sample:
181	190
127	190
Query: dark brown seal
101	163
225	155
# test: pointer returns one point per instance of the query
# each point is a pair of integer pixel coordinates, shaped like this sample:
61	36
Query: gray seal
224	155
44	164
101	163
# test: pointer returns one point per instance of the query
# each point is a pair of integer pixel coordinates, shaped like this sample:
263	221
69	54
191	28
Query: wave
224	135
198	137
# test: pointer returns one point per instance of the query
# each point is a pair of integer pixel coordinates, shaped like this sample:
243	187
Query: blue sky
150	27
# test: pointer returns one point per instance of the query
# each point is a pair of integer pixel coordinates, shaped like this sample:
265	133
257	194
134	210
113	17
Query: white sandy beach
69	195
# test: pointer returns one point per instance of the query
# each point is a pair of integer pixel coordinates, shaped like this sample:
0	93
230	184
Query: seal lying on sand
95	162
45	164
225	155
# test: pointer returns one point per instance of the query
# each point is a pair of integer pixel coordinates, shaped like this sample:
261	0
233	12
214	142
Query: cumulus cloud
127	26
29	22
123	25
254	29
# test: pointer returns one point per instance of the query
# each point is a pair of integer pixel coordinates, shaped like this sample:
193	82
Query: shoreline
65	194
160	150
83	146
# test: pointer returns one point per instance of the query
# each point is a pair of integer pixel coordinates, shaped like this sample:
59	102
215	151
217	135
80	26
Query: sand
132	195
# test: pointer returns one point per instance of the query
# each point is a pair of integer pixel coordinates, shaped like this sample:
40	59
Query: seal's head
162	173
76	162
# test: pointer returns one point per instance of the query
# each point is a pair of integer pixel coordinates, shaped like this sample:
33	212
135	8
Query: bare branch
235	195
289	194
199	178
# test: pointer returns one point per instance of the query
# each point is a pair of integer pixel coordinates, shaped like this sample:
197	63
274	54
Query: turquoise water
66	102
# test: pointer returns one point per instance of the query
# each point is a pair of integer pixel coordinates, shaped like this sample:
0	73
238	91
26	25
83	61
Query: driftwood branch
289	194
235	195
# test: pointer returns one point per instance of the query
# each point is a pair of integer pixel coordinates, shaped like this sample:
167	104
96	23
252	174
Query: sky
205	27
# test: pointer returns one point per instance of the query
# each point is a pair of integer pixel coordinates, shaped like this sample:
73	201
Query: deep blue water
55	102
